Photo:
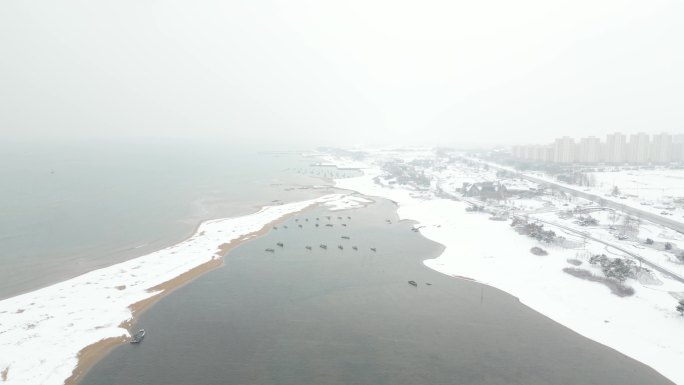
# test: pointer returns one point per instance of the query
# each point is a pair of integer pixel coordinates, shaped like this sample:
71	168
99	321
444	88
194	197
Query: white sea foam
42	332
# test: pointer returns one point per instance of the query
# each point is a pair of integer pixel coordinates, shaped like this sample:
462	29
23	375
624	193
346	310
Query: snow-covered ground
659	192
645	184
609	227
643	326
653	190
348	202
42	332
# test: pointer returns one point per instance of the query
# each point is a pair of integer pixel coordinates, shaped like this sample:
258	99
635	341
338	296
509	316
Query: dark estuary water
300	317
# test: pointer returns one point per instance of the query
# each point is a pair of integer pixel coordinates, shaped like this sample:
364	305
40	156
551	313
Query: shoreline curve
85	317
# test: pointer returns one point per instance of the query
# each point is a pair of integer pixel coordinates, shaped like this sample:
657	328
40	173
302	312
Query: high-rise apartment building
564	150
535	152
616	148
639	148
678	148
589	150
661	148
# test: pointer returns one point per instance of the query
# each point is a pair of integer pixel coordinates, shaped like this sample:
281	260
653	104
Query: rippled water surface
68	209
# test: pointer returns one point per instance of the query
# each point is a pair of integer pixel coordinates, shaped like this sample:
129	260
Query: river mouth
344	316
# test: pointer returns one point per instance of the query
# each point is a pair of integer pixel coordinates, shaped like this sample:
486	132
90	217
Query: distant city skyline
640	148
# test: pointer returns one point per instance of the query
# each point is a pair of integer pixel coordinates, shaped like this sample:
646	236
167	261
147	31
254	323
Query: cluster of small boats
328	217
316	222
322	246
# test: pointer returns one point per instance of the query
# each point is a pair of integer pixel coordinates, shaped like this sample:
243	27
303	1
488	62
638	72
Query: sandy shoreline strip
92	354
83	318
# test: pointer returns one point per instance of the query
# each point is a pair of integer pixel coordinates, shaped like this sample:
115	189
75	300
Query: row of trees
475	208
406	174
578	178
586	220
533	230
621	269
667	247
616	268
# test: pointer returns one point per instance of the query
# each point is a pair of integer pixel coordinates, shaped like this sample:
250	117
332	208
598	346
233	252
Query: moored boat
138	337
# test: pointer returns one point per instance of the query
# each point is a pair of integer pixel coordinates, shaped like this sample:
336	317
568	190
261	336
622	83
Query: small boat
324	247
344	224
270	250
329	225
413	283
345	237
138	337
340	247
280	244
373	249
300	226
355	248
308	247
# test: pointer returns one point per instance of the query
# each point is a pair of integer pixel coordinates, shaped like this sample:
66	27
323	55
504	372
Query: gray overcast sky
345	72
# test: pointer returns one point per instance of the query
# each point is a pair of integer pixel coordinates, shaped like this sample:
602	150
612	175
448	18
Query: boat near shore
138	337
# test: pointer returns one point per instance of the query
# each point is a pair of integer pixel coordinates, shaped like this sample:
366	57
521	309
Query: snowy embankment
643	326
42	332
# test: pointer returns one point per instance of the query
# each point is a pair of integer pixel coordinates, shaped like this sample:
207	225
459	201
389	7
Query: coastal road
587	235
655	218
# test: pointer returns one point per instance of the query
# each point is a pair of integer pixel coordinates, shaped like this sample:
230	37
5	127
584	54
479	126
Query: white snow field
654	191
643	326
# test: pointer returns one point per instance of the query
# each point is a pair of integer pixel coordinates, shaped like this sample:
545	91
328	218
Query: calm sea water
69	209
298	317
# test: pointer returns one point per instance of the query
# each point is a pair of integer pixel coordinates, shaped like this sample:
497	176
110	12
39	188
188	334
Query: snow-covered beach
43	333
643	326
53	335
